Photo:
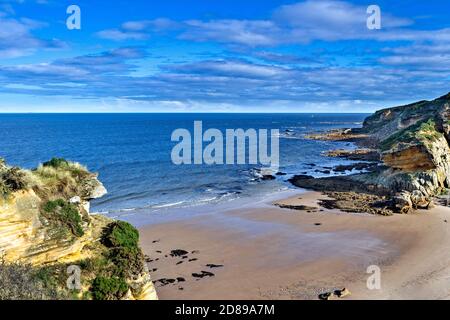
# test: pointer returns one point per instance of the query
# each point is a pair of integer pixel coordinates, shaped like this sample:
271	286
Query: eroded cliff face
413	141
45	221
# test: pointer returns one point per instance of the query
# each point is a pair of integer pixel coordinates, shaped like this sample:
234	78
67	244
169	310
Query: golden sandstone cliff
46	229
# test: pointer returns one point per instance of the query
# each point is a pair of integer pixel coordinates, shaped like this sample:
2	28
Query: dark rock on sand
356	155
178	253
333	184
297	207
203	274
358	203
335	294
212	266
165	281
349	135
356	166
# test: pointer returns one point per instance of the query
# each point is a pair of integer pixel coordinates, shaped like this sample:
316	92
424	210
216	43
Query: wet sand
266	252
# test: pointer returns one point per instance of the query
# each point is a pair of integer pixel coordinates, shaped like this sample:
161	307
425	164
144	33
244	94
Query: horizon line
198	112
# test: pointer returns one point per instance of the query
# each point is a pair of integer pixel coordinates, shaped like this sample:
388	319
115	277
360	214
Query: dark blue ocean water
131	152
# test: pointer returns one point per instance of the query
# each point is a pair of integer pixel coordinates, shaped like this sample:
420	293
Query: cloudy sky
221	55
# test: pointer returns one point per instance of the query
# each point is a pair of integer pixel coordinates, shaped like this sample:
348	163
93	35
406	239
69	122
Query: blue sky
221	55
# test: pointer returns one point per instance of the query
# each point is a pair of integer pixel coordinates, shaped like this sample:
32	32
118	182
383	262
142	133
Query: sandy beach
266	252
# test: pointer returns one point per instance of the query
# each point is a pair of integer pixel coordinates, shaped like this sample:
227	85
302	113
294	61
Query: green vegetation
57	163
420	132
123	240
125	258
65	214
121	234
109	288
127	261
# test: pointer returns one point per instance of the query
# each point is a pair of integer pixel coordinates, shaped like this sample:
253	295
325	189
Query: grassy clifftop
47	235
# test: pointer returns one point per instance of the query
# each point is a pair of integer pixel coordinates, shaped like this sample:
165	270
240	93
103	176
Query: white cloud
17	40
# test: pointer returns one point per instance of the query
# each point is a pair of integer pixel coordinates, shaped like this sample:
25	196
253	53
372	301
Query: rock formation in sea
412	142
49	240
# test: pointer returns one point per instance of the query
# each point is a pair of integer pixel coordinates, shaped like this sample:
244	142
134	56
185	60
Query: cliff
413	141
46	227
412	144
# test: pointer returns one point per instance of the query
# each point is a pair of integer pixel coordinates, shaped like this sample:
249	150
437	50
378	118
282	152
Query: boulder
402	203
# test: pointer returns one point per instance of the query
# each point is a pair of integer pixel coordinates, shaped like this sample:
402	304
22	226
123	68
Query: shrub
56	163
128	262
14	179
123	240
113	288
124	258
66	213
121	234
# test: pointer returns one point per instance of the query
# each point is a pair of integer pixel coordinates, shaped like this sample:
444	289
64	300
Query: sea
132	155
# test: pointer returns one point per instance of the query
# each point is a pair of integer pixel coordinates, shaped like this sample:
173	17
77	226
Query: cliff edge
49	239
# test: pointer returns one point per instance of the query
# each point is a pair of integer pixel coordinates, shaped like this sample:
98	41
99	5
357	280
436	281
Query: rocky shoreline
407	160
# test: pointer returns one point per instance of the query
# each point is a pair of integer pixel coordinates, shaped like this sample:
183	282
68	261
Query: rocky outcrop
414	145
412	141
356	155
45	222
338	135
